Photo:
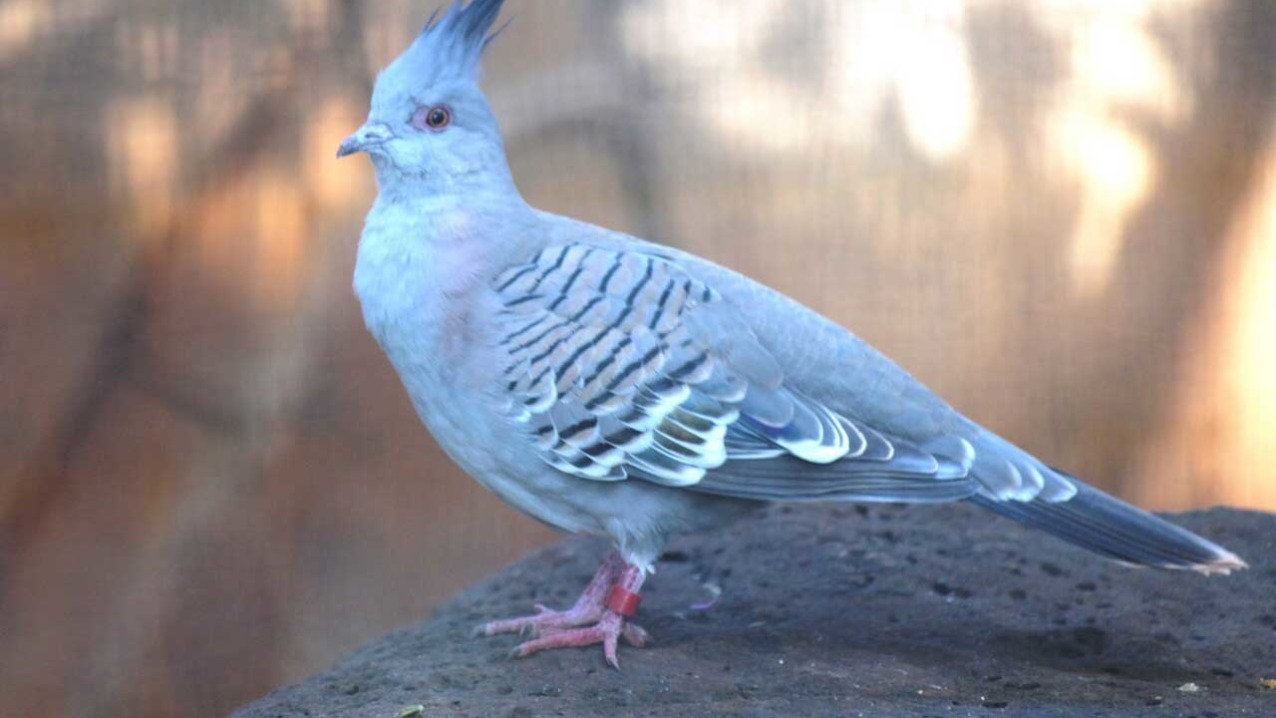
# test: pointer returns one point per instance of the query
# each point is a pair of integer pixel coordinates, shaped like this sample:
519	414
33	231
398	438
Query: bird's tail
1110	527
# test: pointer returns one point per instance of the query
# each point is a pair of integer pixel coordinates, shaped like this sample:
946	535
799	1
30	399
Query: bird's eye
435	118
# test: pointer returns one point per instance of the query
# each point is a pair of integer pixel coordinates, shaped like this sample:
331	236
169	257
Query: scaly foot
607	602
609	629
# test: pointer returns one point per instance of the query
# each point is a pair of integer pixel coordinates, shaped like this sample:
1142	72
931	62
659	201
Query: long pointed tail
1110	527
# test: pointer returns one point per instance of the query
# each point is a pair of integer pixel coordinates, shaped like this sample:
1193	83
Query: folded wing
621	365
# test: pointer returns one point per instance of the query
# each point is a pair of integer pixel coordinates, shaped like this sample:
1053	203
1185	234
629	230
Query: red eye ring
435	118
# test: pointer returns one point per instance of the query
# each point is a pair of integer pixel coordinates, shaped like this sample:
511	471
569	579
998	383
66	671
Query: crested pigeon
613	387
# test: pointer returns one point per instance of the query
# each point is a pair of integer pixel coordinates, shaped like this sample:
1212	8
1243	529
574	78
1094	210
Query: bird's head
428	118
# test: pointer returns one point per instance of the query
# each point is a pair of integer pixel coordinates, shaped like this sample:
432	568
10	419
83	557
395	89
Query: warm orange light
1249	364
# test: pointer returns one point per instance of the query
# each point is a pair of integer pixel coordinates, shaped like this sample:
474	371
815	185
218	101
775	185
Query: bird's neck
479	175
490	186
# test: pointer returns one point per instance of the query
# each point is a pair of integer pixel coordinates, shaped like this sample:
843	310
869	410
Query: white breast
422	288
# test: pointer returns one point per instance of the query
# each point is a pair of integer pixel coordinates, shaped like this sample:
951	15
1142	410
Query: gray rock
849	611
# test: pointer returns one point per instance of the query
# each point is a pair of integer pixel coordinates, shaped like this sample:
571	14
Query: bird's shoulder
817	356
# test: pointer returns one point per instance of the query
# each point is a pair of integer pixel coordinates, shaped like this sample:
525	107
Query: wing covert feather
620	364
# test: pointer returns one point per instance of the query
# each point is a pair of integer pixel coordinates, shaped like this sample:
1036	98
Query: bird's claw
545	620
600	615
609	629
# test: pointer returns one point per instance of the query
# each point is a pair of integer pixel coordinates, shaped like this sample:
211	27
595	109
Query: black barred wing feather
620	364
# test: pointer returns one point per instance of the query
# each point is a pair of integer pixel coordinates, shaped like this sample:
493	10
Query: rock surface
849	611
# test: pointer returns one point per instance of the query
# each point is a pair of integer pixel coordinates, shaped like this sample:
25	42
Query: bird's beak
365	138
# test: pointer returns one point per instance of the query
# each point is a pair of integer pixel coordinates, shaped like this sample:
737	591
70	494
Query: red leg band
623	601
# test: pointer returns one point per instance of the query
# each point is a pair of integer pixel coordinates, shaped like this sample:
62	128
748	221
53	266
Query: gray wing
638	363
855	380
619	364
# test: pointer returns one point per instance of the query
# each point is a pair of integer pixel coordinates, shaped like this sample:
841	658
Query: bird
610	386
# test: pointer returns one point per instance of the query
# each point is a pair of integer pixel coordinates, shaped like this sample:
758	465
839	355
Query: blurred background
1061	215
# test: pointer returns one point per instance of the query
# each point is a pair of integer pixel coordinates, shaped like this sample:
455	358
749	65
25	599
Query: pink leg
607	602
588	608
